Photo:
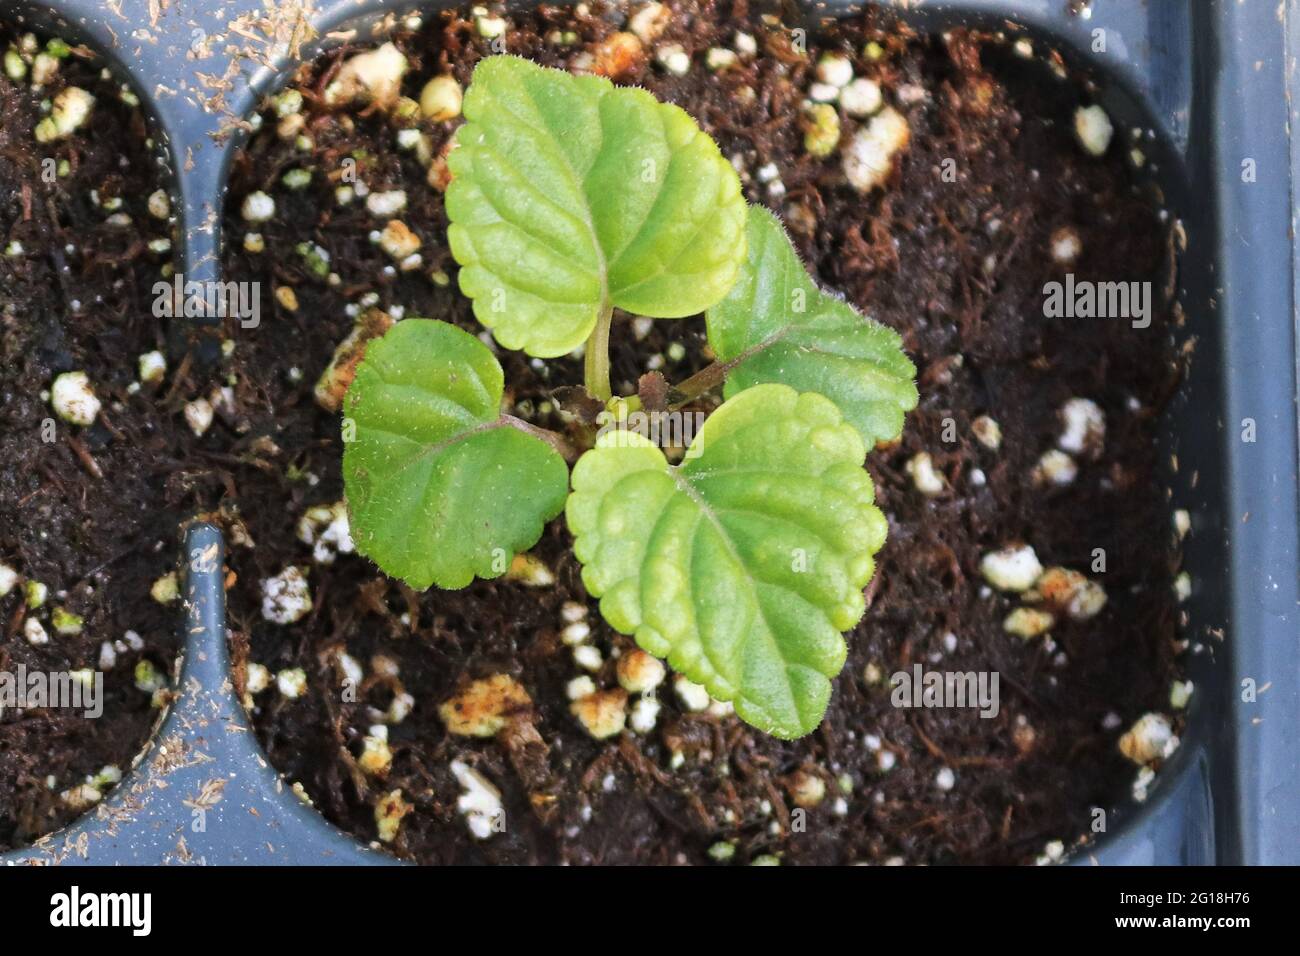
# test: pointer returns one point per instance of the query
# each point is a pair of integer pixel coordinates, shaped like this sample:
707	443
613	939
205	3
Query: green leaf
742	565
777	326
570	196
440	487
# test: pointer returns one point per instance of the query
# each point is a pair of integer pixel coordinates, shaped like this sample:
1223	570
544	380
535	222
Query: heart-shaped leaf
775	325
440	486
743	565
571	196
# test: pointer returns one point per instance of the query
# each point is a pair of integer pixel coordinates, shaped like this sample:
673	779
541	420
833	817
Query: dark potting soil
958	267
90	512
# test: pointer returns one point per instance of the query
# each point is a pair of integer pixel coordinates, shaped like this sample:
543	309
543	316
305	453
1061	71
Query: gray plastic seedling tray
1212	83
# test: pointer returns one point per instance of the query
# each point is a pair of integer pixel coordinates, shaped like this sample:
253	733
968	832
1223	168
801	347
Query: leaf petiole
702	382
714	375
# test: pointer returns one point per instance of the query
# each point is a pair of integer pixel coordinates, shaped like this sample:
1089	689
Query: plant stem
557	441
596	363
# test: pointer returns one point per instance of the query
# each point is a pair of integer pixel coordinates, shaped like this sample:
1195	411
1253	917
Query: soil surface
89	512
956	264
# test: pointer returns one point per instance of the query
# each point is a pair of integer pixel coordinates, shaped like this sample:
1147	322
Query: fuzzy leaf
439	487
570	195
743	565
780	327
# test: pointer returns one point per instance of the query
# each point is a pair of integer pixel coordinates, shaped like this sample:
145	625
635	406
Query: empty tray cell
90	432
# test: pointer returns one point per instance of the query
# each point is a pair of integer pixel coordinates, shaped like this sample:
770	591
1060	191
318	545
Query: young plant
742	566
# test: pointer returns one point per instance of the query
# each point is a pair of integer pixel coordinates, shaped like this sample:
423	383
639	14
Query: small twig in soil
86	578
28	497
930	745
180	378
937	751
873	588
52	477
110	427
237	460
15	620
83	455
639	765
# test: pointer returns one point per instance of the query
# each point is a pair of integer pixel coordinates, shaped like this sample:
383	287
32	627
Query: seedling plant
742	565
